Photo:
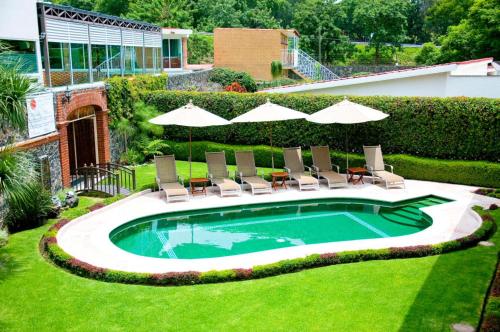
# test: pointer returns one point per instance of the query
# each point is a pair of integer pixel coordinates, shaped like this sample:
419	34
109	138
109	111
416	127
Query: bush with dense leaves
448	128
225	77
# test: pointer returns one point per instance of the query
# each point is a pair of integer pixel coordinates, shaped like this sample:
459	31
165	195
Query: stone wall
116	146
346	71
51	150
195	81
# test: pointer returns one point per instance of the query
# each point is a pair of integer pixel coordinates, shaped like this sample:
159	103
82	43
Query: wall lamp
67	96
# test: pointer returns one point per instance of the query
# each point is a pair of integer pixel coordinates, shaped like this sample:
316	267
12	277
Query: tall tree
475	37
112	7
417	10
445	13
80	4
381	22
318	23
211	14
260	17
166	13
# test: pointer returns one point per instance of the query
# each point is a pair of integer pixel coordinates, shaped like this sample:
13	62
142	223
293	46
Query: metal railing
109	178
306	65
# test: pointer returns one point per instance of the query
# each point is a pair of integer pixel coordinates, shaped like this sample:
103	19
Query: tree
429	55
80	4
417	11
211	14
200	49
381	22
260	17
475	37
445	13
318	22
112	7
165	13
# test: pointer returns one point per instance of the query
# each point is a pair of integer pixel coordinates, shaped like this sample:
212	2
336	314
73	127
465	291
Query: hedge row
50	249
478	173
447	128
491	315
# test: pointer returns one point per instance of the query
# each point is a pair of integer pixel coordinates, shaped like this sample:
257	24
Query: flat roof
75	14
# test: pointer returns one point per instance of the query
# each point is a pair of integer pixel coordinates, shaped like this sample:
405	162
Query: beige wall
249	50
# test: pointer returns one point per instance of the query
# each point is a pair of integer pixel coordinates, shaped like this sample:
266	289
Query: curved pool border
73	246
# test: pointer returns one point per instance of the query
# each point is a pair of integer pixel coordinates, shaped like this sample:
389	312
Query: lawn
146	174
423	294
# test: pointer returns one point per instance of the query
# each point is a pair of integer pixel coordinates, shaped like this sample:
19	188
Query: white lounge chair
247	172
295	168
323	168
376	167
219	175
167	179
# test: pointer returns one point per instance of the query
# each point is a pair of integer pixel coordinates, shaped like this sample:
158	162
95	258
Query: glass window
99	62
20	52
139	60
158	61
172	53
80	63
175	48
60	73
148	55
115	60
129	59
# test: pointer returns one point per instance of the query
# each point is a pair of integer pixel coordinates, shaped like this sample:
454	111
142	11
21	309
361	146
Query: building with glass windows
70	52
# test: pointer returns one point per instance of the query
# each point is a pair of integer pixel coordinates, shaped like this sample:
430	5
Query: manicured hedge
448	128
478	173
51	250
491	314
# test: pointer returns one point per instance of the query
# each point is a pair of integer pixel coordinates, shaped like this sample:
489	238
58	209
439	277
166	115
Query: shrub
278	82
447	128
31	210
235	87
276	69
452	171
225	77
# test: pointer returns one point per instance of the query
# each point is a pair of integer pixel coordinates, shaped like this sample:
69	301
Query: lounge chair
219	175
167	179
295	168
247	172
376	167
322	167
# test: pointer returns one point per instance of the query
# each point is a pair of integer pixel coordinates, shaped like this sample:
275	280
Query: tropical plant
276	69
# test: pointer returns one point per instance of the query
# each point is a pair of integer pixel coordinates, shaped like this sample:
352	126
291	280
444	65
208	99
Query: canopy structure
190	116
269	112
346	112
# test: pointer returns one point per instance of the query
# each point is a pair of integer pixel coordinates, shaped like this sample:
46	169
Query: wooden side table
359	171
277	178
198	186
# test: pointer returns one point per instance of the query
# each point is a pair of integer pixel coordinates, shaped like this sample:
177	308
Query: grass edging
51	250
490	320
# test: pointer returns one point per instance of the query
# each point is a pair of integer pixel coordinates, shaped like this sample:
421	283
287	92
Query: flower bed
50	249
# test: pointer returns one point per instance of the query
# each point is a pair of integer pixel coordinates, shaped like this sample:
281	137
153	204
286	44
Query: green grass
397	295
145	174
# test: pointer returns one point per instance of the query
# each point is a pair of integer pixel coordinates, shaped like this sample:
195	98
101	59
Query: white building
474	78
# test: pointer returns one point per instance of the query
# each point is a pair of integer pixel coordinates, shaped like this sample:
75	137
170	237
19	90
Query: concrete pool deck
87	238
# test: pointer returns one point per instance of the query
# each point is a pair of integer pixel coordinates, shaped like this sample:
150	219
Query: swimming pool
245	229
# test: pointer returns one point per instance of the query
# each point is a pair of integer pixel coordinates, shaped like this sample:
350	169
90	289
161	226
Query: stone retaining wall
346	71
195	81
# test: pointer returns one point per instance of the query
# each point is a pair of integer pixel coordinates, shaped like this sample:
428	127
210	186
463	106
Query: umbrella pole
346	150
272	152
190	170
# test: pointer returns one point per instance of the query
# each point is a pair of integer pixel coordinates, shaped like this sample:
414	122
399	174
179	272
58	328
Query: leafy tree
166	13
429	54
475	37
445	13
112	7
200	49
318	23
381	22
80	4
417	10
211	14
260	17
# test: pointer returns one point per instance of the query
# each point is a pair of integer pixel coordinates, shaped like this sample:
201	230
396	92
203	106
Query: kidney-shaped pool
252	228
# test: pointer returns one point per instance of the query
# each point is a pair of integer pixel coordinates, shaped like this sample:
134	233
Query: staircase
101	70
111	179
306	66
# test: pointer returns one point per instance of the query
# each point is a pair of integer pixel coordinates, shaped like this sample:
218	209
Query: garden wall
447	128
346	71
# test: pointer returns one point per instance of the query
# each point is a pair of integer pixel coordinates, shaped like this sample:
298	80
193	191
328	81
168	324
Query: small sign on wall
41	118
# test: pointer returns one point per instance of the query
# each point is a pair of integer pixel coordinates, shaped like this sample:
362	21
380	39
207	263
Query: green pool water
251	228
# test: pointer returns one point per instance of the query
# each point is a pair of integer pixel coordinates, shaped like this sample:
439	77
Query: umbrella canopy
346	112
270	112
190	116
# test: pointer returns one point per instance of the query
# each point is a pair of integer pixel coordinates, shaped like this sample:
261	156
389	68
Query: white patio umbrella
269	112
189	116
346	112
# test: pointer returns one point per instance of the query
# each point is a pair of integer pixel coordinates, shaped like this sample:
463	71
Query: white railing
306	65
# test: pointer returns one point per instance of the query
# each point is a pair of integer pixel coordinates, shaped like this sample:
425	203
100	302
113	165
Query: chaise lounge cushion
332	176
304	179
226	184
256	182
174	189
389	177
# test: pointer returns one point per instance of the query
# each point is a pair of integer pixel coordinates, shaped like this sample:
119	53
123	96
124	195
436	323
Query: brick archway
80	99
